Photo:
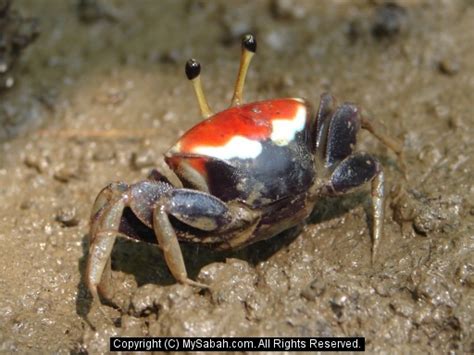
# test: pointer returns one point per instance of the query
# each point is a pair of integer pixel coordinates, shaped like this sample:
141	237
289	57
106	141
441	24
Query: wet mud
101	94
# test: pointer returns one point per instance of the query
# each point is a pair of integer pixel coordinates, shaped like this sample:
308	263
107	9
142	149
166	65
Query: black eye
250	43
192	69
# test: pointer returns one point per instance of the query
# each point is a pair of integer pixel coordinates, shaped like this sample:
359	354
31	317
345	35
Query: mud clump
67	216
390	20
428	214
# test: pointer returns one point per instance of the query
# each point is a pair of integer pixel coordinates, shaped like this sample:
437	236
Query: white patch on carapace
285	129
238	147
175	149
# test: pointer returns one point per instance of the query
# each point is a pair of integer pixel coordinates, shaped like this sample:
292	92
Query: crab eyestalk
193	71
249	47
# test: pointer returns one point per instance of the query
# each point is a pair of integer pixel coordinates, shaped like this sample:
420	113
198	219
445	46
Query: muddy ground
101	95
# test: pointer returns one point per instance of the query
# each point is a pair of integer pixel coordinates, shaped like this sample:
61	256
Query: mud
97	100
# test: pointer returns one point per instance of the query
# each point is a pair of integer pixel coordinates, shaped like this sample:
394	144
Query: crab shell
258	153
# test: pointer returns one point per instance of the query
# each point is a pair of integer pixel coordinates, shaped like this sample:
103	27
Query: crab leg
321	125
104	232
342	134
377	211
354	171
99	264
199	210
392	143
171	250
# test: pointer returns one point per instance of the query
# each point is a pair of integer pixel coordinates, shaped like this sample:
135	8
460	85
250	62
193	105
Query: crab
248	173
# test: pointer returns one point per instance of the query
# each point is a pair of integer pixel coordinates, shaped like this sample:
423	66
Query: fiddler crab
248	173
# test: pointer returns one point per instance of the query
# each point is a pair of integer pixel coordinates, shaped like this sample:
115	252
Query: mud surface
101	95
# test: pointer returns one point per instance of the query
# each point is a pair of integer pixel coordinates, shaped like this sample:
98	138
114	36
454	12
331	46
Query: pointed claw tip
373	255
